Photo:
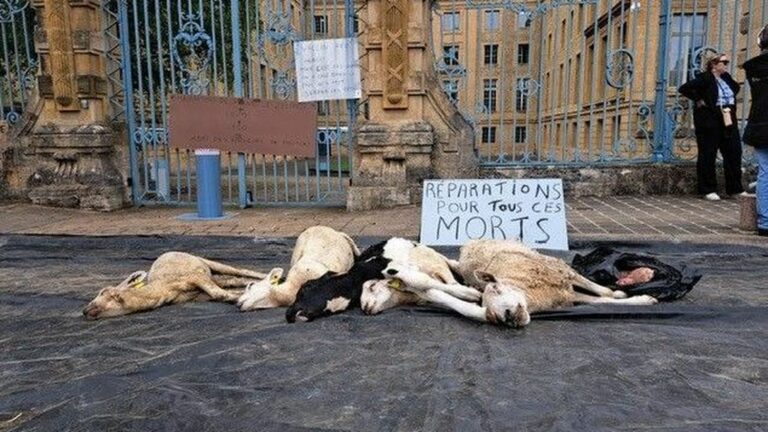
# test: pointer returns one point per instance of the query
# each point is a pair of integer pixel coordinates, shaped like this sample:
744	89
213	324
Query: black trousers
709	140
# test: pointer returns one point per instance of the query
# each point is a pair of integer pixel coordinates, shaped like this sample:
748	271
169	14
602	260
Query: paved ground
659	218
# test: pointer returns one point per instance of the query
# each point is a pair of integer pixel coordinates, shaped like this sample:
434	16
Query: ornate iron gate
583	82
241	48
18	59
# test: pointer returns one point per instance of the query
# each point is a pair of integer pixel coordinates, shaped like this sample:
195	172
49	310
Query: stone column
66	153
413	131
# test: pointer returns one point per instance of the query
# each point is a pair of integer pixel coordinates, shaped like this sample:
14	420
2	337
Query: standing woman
756	133
714	118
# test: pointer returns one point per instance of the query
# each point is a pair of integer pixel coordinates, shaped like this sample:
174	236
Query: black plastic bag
603	265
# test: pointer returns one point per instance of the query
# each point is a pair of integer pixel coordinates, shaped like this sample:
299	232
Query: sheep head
257	294
116	300
380	295
505	303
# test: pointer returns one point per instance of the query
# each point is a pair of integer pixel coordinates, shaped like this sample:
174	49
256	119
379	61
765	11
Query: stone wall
636	179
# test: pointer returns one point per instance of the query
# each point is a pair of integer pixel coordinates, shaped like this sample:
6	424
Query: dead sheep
175	277
517	281
319	250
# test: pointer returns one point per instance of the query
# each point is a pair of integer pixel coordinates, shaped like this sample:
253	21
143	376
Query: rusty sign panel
243	125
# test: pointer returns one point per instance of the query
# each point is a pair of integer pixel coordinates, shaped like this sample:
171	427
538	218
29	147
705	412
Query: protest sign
327	69
243	125
531	210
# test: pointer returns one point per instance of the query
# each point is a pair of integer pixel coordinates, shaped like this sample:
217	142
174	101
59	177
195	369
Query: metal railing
582	82
239	48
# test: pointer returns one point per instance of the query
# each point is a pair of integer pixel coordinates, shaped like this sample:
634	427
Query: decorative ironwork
8	8
696	66
279	30
528	86
192	53
522	9
619	68
283	85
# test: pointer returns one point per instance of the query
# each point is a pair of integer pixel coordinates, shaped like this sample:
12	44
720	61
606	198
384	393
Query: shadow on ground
696	364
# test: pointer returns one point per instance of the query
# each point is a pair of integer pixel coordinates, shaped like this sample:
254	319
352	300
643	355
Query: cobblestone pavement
637	218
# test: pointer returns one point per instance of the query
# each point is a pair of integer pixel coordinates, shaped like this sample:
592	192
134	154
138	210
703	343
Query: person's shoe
740	194
712	196
763	232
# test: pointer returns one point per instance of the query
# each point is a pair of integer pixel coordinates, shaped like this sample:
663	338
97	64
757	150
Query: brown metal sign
243	125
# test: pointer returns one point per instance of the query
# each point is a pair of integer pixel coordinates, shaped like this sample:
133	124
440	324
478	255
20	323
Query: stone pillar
413	131
66	153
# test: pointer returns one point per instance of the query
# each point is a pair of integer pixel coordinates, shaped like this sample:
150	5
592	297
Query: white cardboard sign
327	69
531	210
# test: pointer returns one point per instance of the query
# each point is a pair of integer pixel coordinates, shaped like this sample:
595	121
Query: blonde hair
709	60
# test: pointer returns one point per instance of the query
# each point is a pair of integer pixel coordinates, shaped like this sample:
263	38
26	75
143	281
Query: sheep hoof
618	294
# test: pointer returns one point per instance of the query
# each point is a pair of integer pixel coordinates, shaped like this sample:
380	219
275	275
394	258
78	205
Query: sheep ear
274	275
484	276
134	278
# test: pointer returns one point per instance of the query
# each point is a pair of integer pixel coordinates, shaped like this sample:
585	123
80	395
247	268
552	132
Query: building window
523	20
356	25
451	89
450	22
521	134
451	55
488	134
491	54
323	108
489	95
521	99
689	33
523	51
321	24
492	18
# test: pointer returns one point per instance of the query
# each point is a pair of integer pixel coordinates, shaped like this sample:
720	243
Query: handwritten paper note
531	210
327	69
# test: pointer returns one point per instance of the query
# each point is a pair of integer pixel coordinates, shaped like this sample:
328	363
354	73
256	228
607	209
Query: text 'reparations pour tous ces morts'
530	210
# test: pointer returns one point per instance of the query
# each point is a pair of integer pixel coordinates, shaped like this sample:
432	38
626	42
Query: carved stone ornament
394	24
62	63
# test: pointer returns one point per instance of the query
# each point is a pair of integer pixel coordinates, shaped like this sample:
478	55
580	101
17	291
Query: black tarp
699	363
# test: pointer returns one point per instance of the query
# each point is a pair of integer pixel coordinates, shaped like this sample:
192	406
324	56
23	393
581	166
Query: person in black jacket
756	132
714	117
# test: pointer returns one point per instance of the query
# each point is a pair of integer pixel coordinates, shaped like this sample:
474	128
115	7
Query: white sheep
174	277
413	267
515	281
318	250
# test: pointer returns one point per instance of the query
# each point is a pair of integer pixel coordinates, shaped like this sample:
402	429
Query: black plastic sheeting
700	363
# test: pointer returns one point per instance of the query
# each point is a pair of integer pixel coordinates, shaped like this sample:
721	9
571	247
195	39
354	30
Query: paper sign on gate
531	210
327	69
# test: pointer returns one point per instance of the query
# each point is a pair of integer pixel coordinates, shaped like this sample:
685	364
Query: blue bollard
208	184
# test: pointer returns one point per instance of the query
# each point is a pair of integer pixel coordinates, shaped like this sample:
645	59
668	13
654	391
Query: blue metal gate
583	82
240	48
18	60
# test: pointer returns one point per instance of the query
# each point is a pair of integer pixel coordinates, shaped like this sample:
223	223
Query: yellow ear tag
395	284
274	280
138	285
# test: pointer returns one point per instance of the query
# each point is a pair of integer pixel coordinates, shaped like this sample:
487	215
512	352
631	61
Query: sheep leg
232	281
582	282
641	300
447	301
214	291
217	267
420	281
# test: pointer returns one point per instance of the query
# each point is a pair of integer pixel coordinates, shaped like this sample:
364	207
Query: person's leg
706	142
762	188
731	151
